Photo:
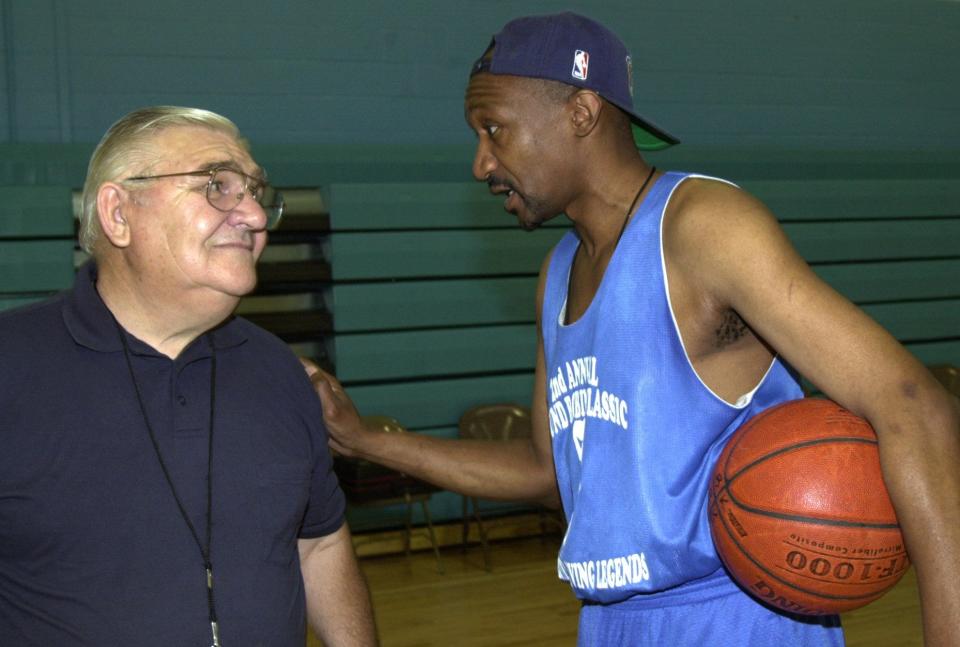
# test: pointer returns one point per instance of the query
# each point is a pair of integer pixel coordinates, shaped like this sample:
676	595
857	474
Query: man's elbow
921	412
939	407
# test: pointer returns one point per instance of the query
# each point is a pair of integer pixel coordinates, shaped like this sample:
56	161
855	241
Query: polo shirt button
182	400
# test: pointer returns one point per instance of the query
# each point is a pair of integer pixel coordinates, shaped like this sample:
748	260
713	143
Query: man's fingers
333	398
320	376
336	447
309	366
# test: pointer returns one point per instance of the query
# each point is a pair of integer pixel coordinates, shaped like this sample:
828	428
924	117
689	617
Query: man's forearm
506	470
338	601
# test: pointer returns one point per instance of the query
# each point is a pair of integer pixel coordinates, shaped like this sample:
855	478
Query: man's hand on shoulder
340	416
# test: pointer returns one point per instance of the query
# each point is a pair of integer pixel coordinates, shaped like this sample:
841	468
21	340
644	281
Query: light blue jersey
635	432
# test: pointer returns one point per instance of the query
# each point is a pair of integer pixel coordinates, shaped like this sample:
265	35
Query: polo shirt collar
91	324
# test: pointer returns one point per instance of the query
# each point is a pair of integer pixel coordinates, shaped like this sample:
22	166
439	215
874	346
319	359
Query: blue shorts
711	611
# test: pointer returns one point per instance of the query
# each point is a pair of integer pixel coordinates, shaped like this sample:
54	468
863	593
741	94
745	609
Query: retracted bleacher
433	285
293	275
406	278
36	242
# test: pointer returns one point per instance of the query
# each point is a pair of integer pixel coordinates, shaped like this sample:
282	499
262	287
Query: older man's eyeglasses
226	188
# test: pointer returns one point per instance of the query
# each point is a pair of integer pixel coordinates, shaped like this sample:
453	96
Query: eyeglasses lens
272	202
226	188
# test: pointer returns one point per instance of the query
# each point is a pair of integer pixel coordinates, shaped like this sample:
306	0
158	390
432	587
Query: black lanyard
204	549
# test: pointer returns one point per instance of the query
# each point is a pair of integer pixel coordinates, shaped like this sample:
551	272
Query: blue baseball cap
575	50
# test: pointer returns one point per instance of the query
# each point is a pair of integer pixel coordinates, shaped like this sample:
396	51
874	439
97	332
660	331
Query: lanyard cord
204	550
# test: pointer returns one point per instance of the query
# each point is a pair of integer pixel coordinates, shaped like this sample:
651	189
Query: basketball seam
745	553
784	450
781	515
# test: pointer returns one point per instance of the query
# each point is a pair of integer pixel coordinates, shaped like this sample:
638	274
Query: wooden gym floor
522	603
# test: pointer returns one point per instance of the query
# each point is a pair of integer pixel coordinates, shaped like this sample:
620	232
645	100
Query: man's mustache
500	183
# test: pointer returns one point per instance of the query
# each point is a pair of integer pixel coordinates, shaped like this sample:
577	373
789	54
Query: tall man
165	478
687	298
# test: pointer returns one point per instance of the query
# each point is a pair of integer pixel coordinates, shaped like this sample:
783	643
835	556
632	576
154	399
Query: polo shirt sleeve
327	505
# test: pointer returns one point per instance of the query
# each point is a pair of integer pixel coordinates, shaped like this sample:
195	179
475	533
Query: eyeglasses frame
213	173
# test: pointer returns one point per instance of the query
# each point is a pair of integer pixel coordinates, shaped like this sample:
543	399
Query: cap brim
648	141
646	135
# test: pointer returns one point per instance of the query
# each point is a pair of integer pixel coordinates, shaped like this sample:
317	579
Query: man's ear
111	198
587	107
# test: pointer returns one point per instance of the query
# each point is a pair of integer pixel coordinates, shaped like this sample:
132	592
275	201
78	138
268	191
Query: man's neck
166	322
601	211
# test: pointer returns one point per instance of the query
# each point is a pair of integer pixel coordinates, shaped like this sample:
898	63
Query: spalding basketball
799	511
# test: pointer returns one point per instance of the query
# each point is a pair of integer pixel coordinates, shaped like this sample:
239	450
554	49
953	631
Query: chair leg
482	530
433	538
465	529
407	524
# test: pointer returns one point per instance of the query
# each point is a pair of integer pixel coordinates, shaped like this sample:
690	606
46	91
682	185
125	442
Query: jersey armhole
744	400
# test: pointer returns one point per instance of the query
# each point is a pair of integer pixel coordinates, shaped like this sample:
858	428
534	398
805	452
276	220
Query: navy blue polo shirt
93	549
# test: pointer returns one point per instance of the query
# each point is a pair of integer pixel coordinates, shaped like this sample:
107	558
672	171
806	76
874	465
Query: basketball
799	512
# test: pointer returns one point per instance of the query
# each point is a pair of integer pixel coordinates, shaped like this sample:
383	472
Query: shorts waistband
715	585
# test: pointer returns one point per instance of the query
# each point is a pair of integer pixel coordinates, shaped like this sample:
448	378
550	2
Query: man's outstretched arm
506	470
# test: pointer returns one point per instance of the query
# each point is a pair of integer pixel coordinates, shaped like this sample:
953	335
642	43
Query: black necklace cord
204	549
214	626
633	204
623	228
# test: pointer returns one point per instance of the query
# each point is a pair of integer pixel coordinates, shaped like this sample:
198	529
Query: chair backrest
949	377
367	483
500	421
383	423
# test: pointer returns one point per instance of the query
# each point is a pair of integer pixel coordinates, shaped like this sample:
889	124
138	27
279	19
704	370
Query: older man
687	301
165	477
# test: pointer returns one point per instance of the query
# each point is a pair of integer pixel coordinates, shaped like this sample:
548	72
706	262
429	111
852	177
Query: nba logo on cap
581	61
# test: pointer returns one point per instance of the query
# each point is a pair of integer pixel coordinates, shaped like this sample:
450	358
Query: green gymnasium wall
822	74
401	272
